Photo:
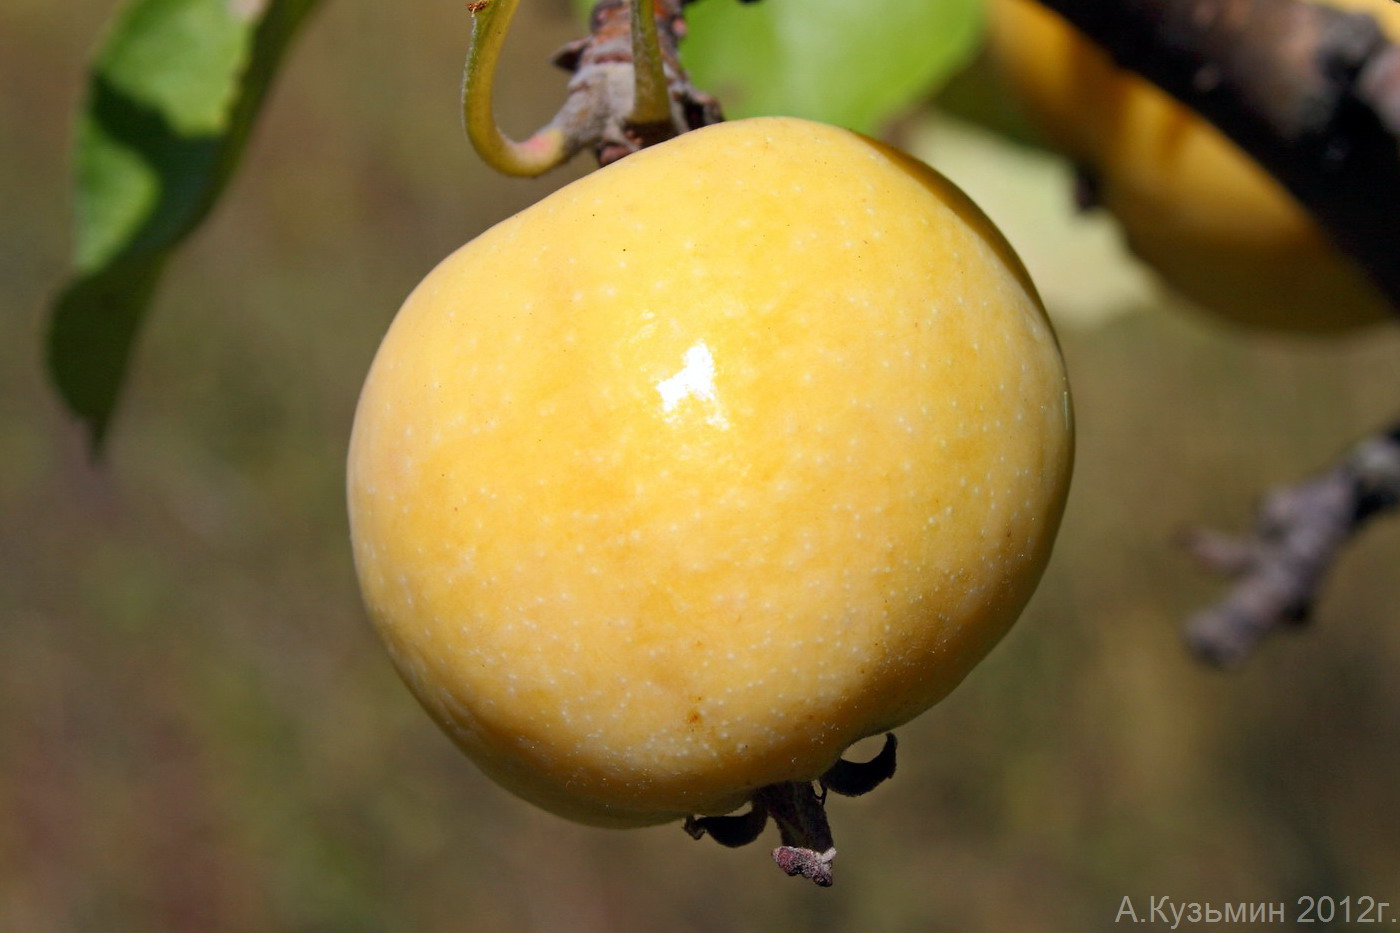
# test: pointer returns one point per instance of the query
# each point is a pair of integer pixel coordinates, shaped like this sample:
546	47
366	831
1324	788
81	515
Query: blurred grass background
198	730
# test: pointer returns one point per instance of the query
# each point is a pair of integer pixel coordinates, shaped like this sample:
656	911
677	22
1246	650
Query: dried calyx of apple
800	813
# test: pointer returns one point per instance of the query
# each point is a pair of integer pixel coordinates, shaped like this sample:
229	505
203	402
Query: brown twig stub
1311	92
1299	531
597	113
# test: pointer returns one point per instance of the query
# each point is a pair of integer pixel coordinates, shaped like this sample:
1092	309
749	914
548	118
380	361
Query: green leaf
855	63
979	94
172	98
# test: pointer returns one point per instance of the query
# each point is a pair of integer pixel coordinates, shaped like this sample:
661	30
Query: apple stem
613	117
651	101
548	147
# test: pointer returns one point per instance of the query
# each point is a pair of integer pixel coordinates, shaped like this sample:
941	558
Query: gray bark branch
1313	94
1298	533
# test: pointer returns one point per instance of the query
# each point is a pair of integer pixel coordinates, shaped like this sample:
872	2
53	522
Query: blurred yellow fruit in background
706	466
1213	224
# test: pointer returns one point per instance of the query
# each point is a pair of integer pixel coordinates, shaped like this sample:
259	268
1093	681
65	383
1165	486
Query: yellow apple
1195	207
706	466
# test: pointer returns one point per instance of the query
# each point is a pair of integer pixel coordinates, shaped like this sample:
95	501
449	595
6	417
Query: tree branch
1311	92
1298	533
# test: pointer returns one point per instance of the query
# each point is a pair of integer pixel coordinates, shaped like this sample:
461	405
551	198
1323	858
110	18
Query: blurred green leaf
172	97
979	94
852	64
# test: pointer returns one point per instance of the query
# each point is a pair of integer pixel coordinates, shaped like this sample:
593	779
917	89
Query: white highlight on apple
696	380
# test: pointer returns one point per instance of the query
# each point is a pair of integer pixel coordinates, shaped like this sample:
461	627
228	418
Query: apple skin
1214	225
706	466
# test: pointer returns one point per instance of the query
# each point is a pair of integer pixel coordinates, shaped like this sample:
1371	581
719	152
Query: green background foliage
199	731
171	99
179	84
853	64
